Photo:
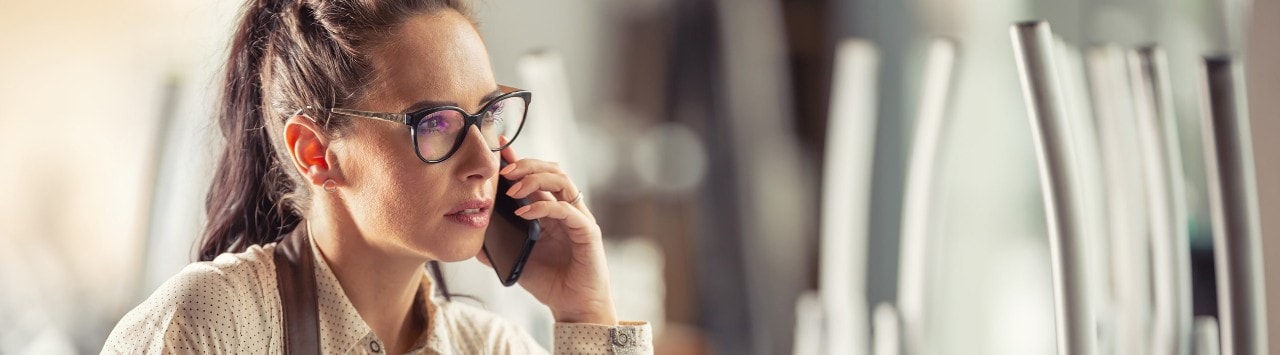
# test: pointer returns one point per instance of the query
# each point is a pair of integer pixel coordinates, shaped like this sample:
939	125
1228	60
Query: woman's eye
435	125
492	120
493	116
496	109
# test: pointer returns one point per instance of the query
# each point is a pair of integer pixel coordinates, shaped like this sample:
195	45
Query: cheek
392	192
399	202
386	181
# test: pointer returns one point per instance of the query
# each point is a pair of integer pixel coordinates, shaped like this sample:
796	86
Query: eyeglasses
438	132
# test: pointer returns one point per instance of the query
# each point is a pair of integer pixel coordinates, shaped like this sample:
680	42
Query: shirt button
623	337
373	346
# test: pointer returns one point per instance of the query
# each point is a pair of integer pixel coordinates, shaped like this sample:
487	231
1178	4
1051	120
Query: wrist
606	316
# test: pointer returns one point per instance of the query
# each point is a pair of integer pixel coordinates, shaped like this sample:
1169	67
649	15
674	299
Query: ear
309	149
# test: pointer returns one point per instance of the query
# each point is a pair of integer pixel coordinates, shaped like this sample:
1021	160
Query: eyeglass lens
439	131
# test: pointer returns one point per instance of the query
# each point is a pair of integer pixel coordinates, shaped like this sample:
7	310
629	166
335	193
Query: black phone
509	239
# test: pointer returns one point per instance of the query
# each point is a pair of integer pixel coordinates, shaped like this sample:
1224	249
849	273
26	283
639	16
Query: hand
567	269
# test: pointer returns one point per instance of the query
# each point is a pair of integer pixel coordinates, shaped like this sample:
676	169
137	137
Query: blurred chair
1206	337
1061	183
1233	197
1166	200
1094	213
1134	189
768	179
846	207
1129	301
846	199
887	337
811	319
919	247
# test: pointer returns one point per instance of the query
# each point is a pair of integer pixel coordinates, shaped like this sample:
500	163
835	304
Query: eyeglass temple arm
393	117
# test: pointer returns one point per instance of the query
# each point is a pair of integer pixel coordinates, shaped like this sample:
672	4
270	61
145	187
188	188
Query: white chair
918	249
846	199
1166	201
1233	193
1034	49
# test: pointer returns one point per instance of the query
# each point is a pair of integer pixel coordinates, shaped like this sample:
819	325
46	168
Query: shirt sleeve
190	313
627	338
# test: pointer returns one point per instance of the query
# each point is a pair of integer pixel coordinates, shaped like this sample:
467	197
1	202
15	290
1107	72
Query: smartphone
509	239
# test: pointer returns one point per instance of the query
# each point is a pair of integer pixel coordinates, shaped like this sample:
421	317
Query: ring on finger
576	199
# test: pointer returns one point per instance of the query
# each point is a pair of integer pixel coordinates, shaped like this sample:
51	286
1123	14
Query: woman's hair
286	56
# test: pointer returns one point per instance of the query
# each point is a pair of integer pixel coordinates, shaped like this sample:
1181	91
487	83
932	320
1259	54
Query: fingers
508	154
533	175
581	228
557	184
539	179
520	168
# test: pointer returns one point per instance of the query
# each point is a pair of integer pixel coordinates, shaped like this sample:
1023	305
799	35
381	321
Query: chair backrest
918	251
1061	183
1233	198
1128	304
846	191
1166	201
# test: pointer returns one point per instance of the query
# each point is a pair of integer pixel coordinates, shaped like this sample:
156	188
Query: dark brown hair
287	55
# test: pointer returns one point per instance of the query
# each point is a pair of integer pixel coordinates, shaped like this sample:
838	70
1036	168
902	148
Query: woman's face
396	201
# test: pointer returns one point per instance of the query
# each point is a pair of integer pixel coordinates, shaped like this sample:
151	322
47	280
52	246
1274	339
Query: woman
312	162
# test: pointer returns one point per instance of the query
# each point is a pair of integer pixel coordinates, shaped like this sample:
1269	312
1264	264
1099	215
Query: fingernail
507	169
515	188
522	210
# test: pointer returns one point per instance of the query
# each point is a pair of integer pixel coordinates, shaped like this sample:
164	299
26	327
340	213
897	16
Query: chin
454	248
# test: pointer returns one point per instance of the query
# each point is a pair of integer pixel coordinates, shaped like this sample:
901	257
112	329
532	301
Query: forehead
436	58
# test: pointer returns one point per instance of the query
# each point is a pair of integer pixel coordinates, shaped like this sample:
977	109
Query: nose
475	161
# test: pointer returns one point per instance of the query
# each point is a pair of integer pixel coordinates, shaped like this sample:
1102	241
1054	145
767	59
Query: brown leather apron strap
296	281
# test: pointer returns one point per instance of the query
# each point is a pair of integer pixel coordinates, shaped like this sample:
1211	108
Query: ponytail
245	205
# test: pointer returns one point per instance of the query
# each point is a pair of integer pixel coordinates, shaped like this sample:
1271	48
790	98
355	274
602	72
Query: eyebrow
425	104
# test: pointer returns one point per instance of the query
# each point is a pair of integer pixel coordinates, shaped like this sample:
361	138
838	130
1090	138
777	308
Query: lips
472	213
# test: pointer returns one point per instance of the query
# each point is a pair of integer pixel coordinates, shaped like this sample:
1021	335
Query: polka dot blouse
231	306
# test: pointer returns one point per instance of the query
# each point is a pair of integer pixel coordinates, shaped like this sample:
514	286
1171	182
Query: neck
381	285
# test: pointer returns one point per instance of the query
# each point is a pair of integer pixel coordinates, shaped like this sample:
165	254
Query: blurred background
701	130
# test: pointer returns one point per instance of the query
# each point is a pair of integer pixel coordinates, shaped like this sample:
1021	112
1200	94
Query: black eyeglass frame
412	119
